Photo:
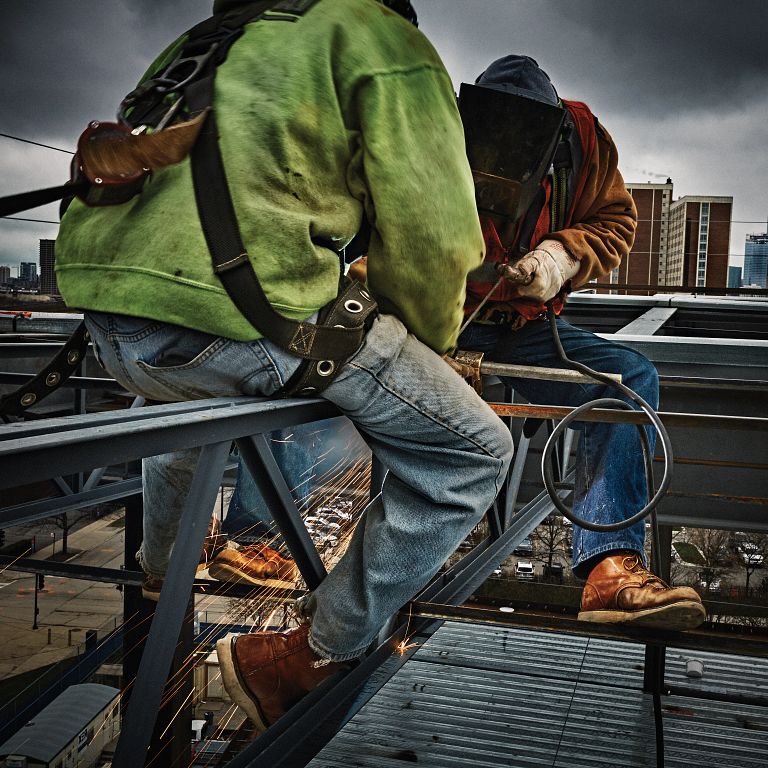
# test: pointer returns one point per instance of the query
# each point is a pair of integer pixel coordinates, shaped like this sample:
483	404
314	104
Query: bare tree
550	540
713	546
751	553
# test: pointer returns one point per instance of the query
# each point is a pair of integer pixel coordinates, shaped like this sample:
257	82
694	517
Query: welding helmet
512	122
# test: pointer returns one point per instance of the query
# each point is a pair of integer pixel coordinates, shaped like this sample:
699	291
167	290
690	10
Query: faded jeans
610	472
447	454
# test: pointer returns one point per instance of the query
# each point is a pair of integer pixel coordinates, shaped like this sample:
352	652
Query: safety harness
182	89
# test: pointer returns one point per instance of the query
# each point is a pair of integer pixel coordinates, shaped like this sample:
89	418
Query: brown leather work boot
620	589
254	564
266	673
214	541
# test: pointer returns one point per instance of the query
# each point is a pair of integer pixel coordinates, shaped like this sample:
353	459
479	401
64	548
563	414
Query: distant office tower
28	271
699	240
5	275
646	263
48	283
756	261
734	277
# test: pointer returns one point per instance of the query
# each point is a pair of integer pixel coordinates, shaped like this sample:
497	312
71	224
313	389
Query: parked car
524	570
554	572
714	586
525	547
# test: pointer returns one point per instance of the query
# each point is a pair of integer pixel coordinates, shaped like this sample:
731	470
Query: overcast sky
682	85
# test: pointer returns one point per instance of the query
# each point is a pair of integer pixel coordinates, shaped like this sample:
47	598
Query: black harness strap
50	378
25	200
222	234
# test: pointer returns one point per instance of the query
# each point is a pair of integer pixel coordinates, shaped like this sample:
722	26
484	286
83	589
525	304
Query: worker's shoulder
381	35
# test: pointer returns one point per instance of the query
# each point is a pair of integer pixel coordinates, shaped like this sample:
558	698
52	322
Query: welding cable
546	463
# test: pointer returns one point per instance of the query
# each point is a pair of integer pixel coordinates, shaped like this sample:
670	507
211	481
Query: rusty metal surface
491	368
704	421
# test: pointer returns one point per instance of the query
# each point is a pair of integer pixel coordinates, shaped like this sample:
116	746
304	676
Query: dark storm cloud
640	56
680	84
67	61
693	53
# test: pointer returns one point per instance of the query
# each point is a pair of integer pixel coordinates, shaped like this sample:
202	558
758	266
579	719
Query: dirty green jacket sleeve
426	235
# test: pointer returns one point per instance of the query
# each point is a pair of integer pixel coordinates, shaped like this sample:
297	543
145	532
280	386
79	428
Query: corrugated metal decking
487	696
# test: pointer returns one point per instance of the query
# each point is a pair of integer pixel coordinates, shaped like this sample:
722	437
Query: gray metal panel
649	322
483	696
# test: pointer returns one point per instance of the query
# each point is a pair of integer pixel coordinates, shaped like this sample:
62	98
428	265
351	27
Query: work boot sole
150	594
234	685
676	617
230	575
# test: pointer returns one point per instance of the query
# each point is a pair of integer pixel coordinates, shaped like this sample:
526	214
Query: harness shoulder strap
231	262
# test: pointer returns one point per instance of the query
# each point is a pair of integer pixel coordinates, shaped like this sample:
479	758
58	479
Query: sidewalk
68	607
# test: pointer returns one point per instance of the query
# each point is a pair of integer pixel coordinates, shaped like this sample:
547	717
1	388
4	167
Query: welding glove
542	272
358	270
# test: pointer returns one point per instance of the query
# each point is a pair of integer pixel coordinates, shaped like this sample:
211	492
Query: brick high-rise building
699	242
677	243
48	283
646	263
5	274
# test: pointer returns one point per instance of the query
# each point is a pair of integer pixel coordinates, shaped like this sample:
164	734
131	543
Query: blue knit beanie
520	75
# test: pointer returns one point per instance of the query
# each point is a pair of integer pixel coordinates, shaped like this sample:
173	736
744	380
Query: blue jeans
610	473
447	454
307	454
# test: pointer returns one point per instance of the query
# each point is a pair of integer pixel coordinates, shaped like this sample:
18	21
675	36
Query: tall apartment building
28	271
699	242
684	242
646	263
48	283
756	261
5	274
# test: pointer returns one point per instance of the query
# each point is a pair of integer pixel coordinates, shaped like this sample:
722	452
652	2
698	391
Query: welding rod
490	368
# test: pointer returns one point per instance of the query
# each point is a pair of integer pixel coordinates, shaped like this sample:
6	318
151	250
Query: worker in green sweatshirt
326	118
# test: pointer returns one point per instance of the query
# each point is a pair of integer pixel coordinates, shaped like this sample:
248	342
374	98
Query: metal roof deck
479	696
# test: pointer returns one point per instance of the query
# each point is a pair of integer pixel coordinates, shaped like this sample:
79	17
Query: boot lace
634	564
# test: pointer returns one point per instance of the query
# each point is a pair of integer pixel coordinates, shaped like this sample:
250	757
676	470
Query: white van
524	570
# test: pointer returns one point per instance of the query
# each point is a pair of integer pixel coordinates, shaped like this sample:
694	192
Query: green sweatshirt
348	109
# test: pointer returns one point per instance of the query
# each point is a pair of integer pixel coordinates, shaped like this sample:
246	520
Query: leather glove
467	372
358	270
542	272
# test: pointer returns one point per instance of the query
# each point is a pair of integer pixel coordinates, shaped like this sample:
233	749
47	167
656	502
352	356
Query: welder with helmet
555	215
